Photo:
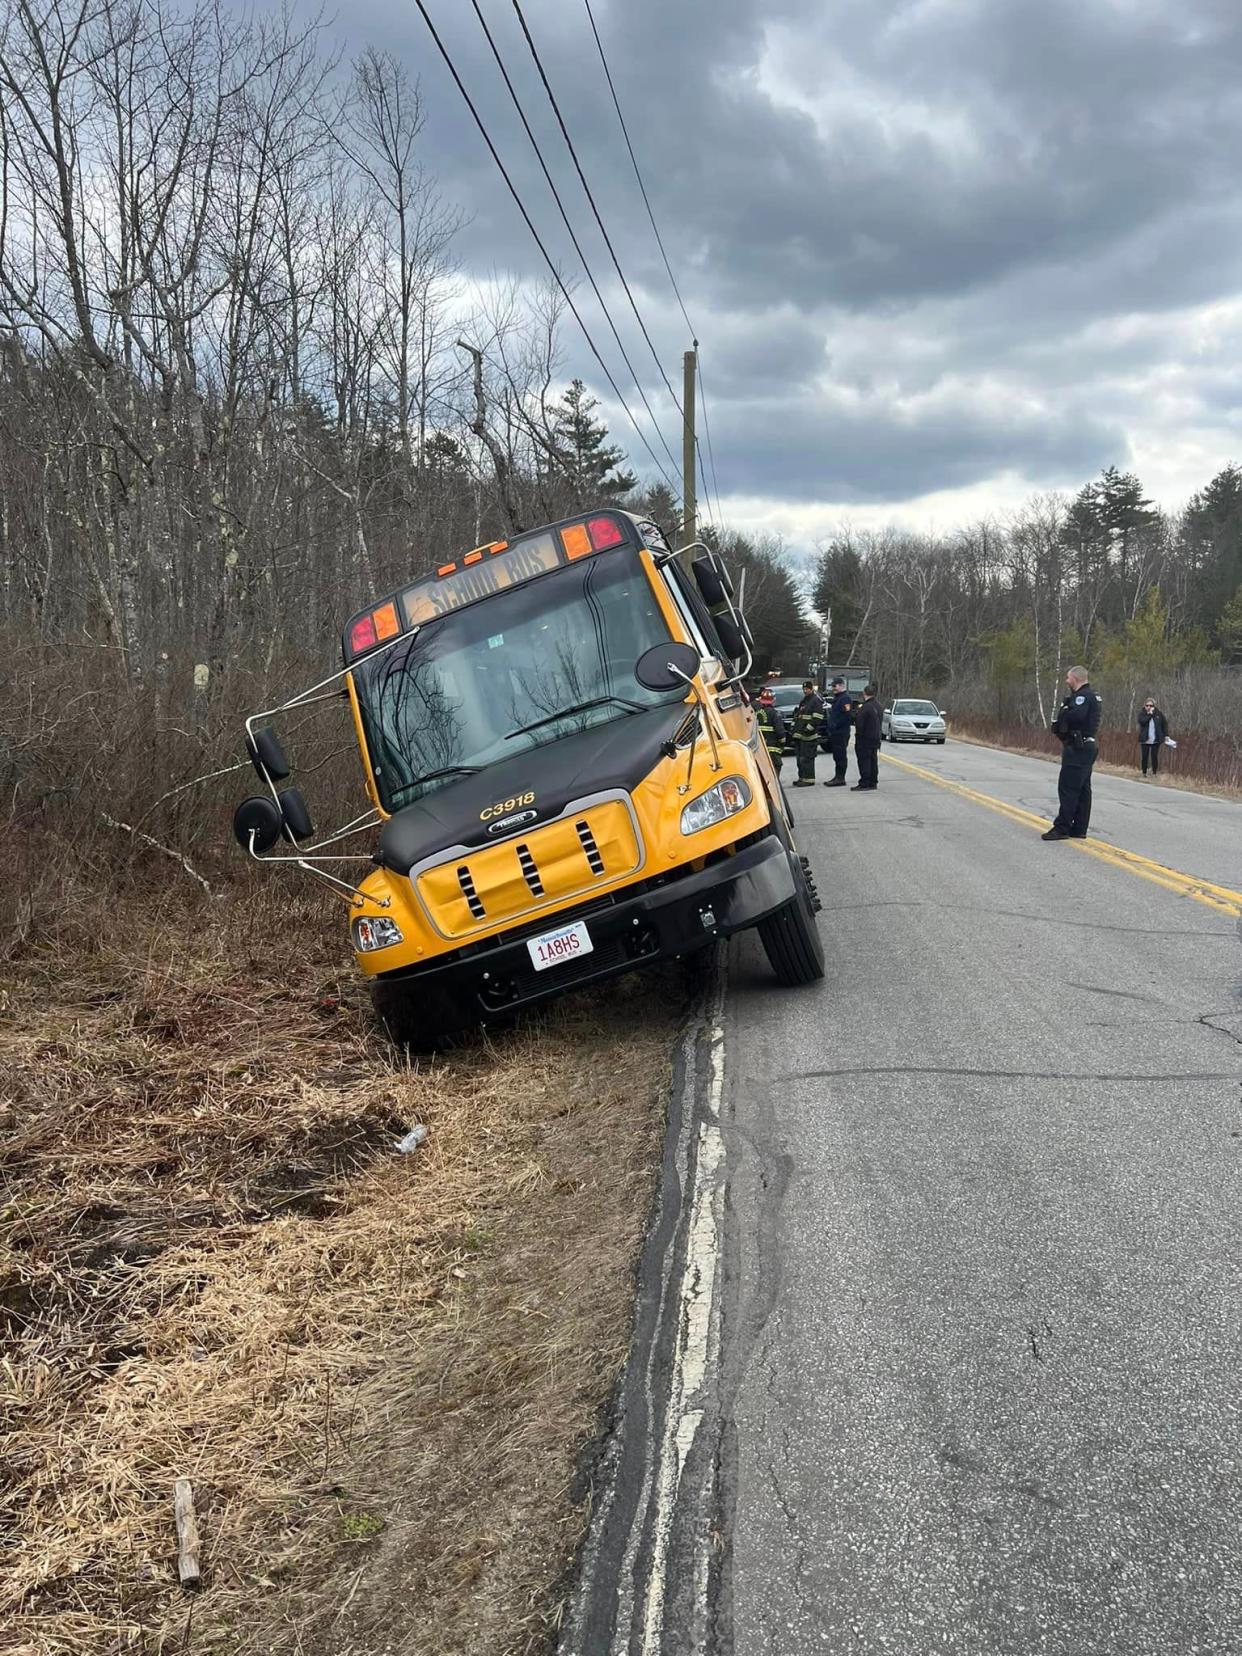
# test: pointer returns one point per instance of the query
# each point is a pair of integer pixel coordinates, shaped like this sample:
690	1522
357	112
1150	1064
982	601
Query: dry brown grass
1023	740
378	1370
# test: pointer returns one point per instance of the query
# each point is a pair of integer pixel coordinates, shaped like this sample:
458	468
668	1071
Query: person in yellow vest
768	717
808	729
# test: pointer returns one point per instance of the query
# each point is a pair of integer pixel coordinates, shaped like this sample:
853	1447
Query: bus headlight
726	799
378	933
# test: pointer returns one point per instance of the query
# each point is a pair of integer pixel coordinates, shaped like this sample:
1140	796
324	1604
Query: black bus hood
615	755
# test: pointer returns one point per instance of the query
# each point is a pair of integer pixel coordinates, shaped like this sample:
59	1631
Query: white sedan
912	721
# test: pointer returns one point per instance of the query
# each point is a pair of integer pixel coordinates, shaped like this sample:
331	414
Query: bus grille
561	862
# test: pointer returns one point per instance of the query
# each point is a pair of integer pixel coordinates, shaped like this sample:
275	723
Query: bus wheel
791	939
397	1007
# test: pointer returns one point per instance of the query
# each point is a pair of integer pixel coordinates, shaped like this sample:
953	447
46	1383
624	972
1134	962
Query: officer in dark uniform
867	742
772	725
808	727
1076	725
839	718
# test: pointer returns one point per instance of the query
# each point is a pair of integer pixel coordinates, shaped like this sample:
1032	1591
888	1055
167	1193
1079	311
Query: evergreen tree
591	465
837	586
661	505
1211	542
1229	628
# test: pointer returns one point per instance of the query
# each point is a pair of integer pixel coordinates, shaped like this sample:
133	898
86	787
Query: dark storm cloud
907	195
805	451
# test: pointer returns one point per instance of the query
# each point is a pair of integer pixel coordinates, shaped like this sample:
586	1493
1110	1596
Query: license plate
554	948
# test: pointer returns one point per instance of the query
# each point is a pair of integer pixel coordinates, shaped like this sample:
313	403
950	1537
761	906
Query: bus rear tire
791	939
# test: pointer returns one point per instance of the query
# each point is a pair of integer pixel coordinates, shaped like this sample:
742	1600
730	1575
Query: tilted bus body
567	781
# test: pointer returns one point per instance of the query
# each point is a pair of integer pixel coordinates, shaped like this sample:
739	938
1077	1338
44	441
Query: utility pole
689	526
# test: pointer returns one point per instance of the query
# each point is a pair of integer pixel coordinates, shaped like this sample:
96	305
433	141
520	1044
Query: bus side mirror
713	580
267	755
731	636
666	666
295	814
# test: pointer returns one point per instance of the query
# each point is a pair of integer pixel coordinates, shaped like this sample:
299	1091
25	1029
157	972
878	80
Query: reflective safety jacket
772	725
808	719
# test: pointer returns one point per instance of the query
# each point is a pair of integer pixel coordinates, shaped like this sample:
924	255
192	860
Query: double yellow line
1217	897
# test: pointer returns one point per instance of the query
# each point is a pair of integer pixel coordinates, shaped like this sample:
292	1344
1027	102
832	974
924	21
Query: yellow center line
1221	898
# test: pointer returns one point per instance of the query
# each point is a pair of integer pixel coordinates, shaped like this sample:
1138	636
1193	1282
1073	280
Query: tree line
244	385
990	615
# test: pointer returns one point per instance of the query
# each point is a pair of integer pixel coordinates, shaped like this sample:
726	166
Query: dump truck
565	778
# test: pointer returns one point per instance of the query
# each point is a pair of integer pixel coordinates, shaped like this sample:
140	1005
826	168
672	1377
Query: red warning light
604	532
362	635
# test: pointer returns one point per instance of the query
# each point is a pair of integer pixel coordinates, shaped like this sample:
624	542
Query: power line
707	428
534	143
655	230
569	144
616	104
556	275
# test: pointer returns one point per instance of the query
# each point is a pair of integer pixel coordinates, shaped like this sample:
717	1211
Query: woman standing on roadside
1153	732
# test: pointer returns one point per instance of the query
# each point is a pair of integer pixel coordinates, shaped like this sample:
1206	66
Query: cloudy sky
939	254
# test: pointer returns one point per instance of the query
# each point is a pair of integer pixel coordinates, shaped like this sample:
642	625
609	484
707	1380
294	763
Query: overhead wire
582	179
534	143
707	430
655	230
616	104
539	242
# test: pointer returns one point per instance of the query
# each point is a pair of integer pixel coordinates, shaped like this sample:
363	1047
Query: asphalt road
982	1320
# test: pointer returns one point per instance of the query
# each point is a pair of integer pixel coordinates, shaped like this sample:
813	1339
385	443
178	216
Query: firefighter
808	728
772	725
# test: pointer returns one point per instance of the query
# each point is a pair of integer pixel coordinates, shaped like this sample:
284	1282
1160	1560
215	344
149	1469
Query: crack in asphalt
1206	1019
1122	994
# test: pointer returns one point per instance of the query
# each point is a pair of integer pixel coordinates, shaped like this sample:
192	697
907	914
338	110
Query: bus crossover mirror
666	666
257	824
266	754
713	580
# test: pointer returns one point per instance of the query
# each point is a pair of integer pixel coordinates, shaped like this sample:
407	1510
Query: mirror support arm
707	715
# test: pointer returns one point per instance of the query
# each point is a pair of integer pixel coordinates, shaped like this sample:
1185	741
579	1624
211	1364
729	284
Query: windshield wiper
448	770
574	707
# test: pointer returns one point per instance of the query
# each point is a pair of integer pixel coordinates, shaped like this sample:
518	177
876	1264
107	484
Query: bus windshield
514	671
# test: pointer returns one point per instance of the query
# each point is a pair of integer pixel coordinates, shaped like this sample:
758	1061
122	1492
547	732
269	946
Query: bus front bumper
664	919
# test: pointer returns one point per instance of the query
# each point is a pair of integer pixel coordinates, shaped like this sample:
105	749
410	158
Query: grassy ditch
379	1371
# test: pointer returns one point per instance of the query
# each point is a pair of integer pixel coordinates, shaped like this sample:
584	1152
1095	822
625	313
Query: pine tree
1211	541
592	466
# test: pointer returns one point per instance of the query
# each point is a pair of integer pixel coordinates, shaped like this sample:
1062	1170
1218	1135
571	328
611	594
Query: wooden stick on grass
187	1534
155	845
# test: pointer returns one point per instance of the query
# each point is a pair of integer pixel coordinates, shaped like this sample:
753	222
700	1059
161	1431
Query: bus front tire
791	939
397	1007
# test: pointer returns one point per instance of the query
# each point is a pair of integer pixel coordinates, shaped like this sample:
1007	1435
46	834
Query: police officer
867	742
808	727
838	721
1076	725
772	725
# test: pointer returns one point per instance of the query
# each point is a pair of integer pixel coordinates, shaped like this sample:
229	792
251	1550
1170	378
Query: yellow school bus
565	776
